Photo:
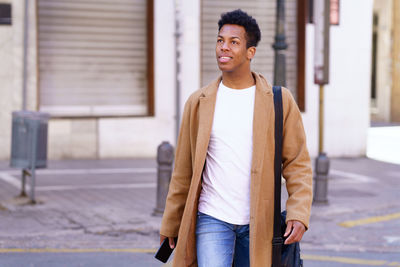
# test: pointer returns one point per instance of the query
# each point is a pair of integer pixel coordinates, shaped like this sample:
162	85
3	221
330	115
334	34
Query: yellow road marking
349	260
370	220
75	250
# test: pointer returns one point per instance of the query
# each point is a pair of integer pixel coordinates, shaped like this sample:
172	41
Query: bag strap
277	240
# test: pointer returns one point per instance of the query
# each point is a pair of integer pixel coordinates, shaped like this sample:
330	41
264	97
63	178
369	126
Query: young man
220	201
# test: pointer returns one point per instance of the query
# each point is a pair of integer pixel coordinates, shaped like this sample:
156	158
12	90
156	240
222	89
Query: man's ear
251	51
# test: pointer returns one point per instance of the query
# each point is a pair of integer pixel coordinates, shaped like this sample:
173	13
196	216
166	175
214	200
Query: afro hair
241	18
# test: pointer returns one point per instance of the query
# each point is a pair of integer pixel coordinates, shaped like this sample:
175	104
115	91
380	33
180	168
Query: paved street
107	204
99	213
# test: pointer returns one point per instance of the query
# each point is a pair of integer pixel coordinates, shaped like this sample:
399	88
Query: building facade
114	75
385	81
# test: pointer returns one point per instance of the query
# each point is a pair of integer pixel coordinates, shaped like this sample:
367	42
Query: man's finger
162	239
171	242
294	237
288	228
289	240
296	234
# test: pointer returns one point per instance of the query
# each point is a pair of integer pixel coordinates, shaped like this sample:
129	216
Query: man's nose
225	46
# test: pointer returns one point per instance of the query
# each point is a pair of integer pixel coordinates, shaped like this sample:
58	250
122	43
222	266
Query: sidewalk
363	193
108	204
82	204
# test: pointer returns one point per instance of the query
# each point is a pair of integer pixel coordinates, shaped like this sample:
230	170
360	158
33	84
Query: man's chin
224	68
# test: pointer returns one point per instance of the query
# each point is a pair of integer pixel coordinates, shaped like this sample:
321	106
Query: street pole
322	161
321	120
25	56
321	77
280	45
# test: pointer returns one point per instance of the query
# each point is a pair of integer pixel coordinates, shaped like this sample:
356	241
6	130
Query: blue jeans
219	243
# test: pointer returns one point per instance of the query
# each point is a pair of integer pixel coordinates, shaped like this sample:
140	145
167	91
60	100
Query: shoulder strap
277	240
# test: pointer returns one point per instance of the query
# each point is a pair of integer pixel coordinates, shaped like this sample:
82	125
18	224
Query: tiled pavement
109	204
83	204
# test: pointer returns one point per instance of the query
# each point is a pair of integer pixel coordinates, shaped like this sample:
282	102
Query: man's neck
235	81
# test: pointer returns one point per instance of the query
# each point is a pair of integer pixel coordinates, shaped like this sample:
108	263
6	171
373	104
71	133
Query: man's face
231	52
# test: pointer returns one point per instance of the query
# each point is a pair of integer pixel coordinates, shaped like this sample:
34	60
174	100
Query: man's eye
234	42
219	41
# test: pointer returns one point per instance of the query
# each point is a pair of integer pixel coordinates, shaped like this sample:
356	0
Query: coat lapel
263	114
206	117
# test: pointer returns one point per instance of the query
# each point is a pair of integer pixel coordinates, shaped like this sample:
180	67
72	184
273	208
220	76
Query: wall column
395	98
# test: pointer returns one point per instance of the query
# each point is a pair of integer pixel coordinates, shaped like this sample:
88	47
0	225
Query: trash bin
29	139
29	146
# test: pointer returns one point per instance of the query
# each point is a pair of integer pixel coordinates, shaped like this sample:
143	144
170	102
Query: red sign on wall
334	14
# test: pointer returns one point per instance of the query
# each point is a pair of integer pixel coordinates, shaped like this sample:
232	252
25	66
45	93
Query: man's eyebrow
233	37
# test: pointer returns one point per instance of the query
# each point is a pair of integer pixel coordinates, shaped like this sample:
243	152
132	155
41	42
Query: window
95	57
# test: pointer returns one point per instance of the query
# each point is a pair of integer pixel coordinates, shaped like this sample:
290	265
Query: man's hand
295	230
171	241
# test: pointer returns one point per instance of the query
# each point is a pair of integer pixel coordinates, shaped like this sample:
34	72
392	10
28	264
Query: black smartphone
164	251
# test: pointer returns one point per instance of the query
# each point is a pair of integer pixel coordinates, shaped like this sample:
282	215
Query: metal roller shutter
93	57
264	12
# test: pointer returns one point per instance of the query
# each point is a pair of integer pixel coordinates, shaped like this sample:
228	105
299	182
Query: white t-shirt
225	192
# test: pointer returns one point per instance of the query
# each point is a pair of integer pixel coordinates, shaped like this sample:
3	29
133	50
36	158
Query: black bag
282	255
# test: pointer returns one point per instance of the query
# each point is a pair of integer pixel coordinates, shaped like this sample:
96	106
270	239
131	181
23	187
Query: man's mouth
224	59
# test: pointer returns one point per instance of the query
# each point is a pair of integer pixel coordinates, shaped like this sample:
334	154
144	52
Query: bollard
321	179
165	157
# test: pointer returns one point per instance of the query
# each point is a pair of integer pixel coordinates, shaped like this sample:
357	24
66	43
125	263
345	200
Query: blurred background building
385	79
113	73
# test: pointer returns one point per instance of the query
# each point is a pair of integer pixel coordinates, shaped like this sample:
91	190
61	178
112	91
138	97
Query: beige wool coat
180	213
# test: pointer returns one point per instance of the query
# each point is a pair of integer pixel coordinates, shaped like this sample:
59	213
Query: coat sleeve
180	181
296	163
